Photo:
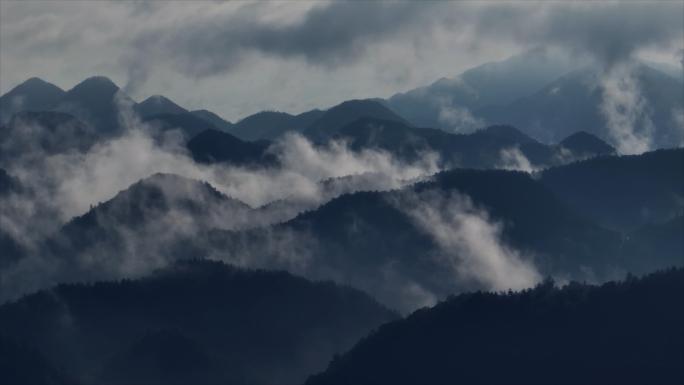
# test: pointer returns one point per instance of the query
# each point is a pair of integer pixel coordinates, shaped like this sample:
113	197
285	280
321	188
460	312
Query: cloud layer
232	52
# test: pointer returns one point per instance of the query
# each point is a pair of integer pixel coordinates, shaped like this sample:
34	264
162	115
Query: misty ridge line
291	189
67	184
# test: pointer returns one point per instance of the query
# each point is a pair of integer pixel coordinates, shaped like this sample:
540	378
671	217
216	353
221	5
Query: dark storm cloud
609	31
325	49
337	33
327	35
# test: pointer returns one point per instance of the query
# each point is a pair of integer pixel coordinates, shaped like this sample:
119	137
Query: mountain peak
583	142
100	83
34	94
158	104
347	112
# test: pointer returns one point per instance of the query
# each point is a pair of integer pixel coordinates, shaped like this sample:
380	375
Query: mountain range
622	332
436	236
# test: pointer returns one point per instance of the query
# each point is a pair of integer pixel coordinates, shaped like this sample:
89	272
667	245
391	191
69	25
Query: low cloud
66	183
626	111
513	159
470	242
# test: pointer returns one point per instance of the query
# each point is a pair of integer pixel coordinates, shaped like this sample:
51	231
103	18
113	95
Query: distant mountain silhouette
213	145
585	145
44	133
96	101
573	103
483	148
328	124
192	320
32	95
496	83
270	125
357	237
214	119
628	332
623	192
187	123
156	105
138	218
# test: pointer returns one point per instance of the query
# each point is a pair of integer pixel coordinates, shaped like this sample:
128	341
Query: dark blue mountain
214	119
158	104
483	148
370	240
211	146
32	95
186	123
629	332
192	320
20	364
270	125
623	192
98	102
328	124
495	83
573	102
36	134
585	145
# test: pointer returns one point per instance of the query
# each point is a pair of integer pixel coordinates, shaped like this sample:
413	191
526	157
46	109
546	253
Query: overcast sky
242	57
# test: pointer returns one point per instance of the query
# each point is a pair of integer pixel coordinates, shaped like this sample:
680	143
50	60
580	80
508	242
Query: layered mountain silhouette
270	125
573	102
623	192
201	322
318	126
370	239
156	217
491	147
547	97
32	95
328	124
158	104
212	146
627	332
496	83
214	119
44	133
97	101
187	124
585	145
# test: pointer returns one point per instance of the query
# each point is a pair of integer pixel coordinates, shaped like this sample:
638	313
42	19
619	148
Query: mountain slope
259	326
159	211
585	145
496	83
344	113
187	123
37	134
377	241
573	102
158	104
623	192
97	102
22	365
213	145
270	125
214	119
630	332
490	147
32	95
